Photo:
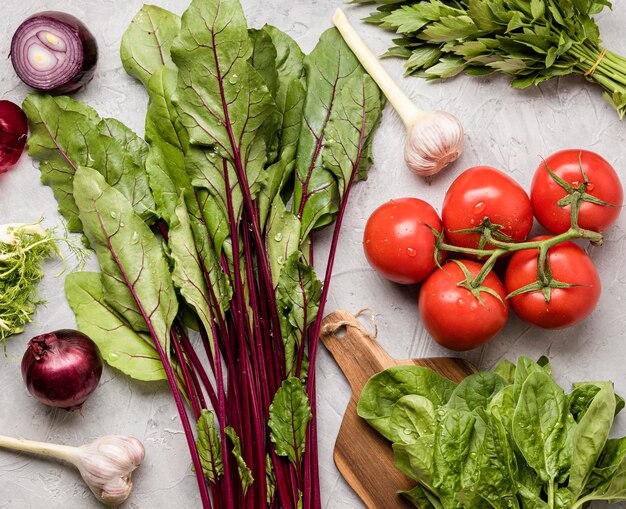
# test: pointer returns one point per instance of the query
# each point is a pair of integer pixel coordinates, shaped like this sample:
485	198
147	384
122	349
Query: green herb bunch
507	438
23	250
531	40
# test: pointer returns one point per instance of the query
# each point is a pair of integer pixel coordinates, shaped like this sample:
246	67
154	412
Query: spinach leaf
452	439
491	469
420	497
383	390
476	391
506	369
415	460
121	347
412	416
539	424
502	406
613	454
525	367
590	436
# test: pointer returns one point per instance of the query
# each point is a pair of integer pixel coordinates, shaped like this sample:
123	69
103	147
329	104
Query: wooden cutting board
365	458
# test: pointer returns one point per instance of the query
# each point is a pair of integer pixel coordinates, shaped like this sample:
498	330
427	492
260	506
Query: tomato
484	192
567	306
453	316
603	183
398	242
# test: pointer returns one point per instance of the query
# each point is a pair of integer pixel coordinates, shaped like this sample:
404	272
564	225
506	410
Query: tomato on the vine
455	317
569	264
485	192
398	242
572	166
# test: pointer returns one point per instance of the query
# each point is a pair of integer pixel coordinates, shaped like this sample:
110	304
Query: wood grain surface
365	458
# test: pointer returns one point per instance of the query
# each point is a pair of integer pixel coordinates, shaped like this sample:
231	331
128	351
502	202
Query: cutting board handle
354	348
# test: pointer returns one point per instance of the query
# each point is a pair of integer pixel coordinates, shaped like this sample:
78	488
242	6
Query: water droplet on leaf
113	214
278	237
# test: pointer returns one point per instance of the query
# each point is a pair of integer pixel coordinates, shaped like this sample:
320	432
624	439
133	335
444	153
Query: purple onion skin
88	45
62	368
13	134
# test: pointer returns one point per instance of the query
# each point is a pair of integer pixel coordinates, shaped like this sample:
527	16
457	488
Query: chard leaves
290	412
209	447
135	275
223	102
66	134
147	41
120	345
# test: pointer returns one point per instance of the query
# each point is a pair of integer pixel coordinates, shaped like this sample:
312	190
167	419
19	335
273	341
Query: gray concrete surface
505	128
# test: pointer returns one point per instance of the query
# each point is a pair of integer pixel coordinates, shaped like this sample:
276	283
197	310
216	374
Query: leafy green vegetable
290	413
206	224
385	389
532	41
512	441
23	251
129	351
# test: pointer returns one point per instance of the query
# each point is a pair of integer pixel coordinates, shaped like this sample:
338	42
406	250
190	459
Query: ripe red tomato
453	316
567	306
397	241
482	192
603	183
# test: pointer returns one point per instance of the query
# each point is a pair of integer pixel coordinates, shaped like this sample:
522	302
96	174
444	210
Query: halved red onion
54	52
13	134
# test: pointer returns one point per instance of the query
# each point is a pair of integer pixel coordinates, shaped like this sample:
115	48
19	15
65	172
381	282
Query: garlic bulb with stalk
106	464
434	138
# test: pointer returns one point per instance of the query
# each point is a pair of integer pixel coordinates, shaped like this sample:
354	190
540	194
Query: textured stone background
505	128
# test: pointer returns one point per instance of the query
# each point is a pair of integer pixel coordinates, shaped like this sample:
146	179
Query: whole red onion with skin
62	368
13	134
54	52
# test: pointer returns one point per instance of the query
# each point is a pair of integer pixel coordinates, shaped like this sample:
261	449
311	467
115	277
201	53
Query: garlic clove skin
434	140
107	465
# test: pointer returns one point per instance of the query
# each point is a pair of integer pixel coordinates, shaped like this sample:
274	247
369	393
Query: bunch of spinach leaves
207	223
506	438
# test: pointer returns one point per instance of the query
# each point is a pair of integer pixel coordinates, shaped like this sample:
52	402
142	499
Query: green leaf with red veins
330	69
147	41
290	412
162	120
222	100
66	134
245	474
121	347
135	275
351	124
297	297
133	144
209	447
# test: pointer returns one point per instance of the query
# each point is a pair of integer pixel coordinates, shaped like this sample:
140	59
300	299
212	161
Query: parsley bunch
531	40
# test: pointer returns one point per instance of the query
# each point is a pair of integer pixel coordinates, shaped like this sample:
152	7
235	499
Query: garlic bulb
106	464
434	138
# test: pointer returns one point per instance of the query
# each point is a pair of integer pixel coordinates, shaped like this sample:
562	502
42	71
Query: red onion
54	52
13	134
62	368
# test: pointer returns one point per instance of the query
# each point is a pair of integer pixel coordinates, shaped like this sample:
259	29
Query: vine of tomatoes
549	281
